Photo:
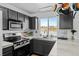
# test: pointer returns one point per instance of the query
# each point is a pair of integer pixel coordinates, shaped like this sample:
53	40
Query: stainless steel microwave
15	24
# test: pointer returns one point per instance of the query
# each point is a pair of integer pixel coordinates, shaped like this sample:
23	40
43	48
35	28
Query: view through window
48	26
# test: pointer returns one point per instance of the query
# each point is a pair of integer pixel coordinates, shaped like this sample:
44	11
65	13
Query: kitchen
20	35
18	40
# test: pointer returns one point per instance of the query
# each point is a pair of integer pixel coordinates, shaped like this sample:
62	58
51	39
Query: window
53	22
44	27
48	26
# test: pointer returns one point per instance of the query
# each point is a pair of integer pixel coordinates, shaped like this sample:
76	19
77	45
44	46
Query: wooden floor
34	55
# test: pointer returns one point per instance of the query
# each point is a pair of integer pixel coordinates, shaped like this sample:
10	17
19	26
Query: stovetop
17	41
20	43
13	39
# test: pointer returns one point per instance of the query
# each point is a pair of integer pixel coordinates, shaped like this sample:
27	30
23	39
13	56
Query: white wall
76	25
1	37
26	24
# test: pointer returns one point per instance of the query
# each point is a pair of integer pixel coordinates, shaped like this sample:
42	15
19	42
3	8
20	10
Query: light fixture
66	8
75	6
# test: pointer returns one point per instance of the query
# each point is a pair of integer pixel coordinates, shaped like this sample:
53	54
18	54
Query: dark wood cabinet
12	14
47	46
21	17
32	23
42	47
66	21
38	46
4	17
8	51
31	46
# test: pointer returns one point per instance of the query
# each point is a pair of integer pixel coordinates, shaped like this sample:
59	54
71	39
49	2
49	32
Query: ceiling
36	8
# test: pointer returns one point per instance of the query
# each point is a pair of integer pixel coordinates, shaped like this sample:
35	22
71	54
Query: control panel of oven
21	43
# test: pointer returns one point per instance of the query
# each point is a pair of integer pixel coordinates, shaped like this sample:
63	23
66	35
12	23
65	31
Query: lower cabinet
38	47
42	47
47	46
8	51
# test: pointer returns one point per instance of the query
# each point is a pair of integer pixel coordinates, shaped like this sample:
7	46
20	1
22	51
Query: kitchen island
65	48
68	47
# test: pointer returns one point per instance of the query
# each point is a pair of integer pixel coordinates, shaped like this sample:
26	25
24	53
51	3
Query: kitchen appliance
15	24
21	45
17	41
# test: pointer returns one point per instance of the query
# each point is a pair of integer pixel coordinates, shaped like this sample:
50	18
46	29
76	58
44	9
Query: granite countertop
40	38
65	48
68	47
53	51
6	44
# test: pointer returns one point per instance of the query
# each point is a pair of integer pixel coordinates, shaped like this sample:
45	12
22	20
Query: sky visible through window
52	21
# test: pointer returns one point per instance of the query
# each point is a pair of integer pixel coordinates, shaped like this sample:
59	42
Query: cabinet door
21	17
8	51
5	17
32	23
37	46
23	51
31	46
12	14
42	47
66	21
47	46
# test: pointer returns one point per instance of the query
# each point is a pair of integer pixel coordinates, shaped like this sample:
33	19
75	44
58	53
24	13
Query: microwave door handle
21	26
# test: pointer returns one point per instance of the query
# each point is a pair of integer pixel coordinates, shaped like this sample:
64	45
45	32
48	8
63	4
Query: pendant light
64	9
65	6
75	6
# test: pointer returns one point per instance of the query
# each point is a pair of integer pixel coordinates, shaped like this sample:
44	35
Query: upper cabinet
21	17
32	23
5	17
66	21
12	14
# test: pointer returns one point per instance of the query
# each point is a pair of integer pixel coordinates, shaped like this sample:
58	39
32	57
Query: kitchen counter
6	44
41	38
65	48
53	51
68	47
54	48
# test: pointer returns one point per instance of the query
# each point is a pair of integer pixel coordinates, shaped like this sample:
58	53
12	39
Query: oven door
23	51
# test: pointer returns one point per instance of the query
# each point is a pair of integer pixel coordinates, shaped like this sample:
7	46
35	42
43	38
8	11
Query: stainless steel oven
15	24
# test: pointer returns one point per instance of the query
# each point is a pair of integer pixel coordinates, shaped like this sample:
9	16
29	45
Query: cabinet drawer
8	53
7	49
